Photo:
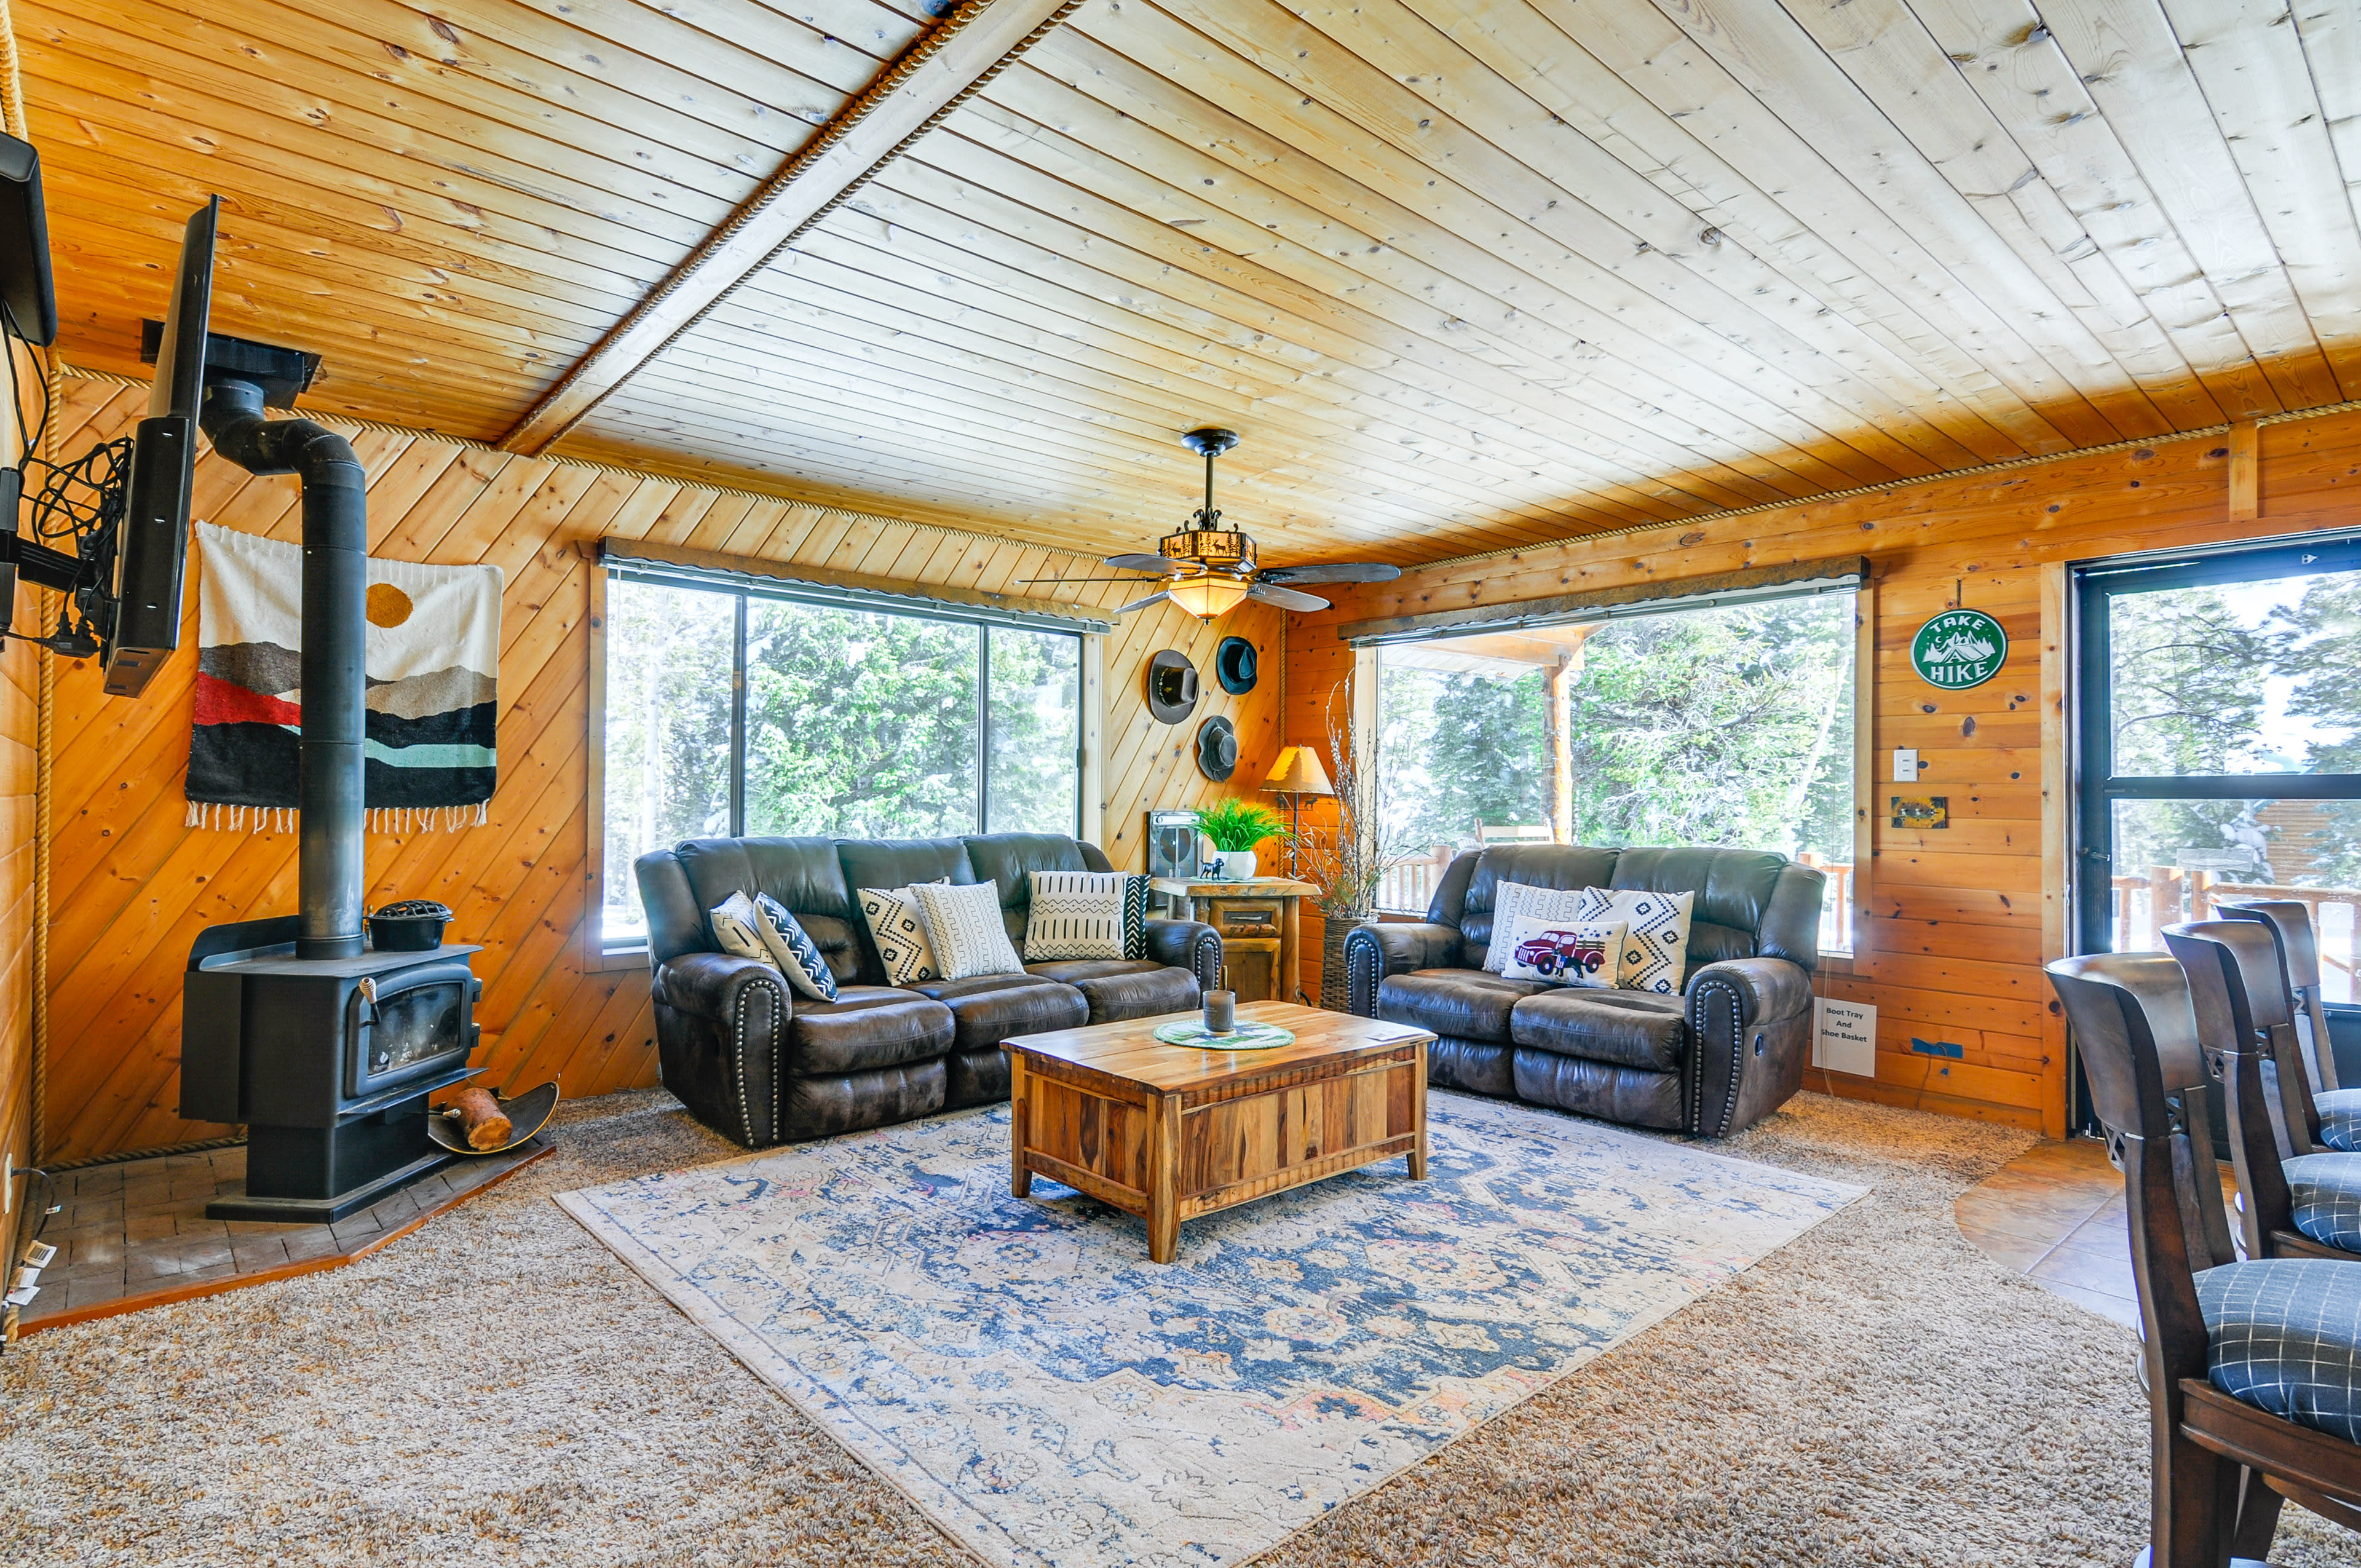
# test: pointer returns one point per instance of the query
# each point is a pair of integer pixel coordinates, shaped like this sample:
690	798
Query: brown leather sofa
760	1064
1725	1053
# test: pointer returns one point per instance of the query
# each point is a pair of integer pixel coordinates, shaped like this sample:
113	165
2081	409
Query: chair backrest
2243	1020
2137	1030
2289	920
1750	903
2243	1002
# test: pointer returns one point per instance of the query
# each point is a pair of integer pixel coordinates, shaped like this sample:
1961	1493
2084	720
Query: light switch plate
1906	764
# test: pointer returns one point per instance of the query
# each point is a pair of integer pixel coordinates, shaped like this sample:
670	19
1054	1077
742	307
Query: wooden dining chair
2254	1368
2307	1204
2333	1118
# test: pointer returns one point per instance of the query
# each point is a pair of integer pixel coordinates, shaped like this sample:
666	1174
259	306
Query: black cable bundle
84	500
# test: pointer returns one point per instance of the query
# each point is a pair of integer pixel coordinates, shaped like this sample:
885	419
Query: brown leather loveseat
763	1065
1719	1057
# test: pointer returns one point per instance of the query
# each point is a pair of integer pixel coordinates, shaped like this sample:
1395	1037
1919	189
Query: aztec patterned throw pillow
736	929
901	936
1078	915
792	949
1135	916
1657	941
1512	899
964	927
1564	952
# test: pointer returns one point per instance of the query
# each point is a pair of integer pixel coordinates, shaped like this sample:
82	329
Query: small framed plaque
1172	844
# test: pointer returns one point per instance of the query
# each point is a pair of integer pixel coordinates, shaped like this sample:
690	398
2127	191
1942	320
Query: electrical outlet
1906	764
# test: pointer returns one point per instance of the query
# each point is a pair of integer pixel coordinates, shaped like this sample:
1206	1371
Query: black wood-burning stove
327	1061
325	1050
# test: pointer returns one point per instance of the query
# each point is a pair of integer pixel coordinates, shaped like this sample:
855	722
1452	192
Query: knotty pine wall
131	886
1954	924
21	674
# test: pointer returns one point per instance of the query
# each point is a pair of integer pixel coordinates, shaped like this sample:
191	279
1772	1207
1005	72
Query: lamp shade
1298	771
1207	597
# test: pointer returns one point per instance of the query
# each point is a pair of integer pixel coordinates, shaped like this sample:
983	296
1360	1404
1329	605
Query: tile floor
135	1233
2056	1215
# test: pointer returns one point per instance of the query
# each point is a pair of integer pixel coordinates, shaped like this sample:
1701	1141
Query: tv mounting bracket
103	476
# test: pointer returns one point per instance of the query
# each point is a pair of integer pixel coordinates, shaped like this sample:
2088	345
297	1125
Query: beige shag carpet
498	1386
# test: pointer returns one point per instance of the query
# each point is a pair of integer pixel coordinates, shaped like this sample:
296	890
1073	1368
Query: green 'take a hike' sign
1958	649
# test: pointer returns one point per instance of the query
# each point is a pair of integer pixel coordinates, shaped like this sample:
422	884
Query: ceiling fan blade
1286	598
1144	563
1078	579
1143	604
1340	571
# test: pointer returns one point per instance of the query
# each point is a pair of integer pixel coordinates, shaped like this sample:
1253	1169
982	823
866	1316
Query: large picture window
730	710
1716	726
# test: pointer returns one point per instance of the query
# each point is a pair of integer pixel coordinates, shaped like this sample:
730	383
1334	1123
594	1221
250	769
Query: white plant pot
1238	865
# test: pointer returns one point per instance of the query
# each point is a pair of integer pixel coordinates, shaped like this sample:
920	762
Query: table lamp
1297	773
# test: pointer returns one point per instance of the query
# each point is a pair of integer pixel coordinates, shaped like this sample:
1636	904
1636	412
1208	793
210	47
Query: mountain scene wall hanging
432	662
1958	649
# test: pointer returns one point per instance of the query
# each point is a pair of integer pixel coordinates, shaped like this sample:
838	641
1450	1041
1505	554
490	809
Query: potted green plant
1234	828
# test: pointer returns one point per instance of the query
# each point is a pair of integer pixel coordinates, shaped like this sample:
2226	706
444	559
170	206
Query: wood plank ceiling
1466	276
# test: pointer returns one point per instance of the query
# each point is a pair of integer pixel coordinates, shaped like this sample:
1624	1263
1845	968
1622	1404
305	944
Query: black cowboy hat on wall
1173	686
1233	665
1217	748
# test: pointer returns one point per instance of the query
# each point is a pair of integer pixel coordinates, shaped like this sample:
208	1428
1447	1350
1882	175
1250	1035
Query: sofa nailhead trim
737	1061
1738	1057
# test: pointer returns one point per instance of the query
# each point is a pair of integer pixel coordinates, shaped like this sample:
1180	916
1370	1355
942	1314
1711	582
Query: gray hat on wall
1171	686
1217	748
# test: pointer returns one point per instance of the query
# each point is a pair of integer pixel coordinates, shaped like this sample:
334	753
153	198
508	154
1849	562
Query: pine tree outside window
733	711
1730	725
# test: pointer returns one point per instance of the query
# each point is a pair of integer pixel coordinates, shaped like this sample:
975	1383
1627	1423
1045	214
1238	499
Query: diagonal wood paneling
132	885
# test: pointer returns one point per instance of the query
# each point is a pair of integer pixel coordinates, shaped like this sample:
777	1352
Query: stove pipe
336	622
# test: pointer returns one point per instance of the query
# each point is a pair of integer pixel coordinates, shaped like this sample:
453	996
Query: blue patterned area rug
1048	1396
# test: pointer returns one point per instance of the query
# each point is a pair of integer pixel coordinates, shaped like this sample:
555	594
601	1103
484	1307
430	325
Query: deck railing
1408	886
2146	904
1836	909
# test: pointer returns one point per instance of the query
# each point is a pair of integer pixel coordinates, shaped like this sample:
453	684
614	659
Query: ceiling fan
1213	569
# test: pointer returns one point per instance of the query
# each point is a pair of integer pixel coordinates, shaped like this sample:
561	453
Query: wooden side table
1260	921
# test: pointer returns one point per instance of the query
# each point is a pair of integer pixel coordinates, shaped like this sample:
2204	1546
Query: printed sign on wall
1958	649
1844	1036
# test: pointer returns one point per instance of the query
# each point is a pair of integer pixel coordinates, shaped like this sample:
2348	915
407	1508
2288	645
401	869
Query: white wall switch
1906	764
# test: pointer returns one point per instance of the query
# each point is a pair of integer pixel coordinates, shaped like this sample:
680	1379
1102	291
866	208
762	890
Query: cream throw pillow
1656	939
1564	952
737	930
1512	899
1076	915
964	927
900	934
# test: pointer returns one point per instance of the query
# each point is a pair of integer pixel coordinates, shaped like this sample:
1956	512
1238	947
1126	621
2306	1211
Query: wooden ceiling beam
926	81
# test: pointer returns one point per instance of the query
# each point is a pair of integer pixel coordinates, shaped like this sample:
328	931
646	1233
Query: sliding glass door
2220	734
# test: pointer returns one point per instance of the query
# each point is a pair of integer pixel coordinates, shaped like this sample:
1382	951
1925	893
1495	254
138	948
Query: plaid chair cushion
2340	1119
2287	1339
2327	1192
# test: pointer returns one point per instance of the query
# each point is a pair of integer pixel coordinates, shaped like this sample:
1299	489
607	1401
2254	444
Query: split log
481	1121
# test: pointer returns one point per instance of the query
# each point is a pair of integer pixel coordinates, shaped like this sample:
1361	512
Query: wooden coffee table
1173	1132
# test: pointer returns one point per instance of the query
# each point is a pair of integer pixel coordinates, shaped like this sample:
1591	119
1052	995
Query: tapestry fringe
215	817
